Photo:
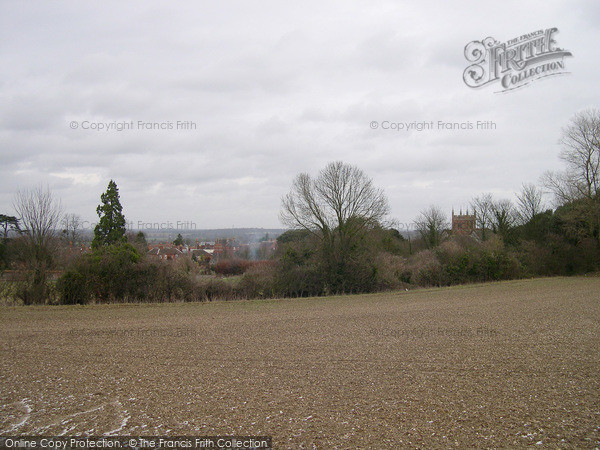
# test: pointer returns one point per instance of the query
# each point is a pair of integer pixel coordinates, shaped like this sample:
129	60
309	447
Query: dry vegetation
506	364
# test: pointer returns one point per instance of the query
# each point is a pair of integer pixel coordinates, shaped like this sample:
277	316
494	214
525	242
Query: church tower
463	224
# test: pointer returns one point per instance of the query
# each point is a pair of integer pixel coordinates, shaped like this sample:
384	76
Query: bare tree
561	185
432	225
341	199
504	217
39	215
337	208
483	209
529	202
580	142
581	151
71	228
579	185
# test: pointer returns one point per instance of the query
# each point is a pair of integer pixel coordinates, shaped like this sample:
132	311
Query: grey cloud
275	89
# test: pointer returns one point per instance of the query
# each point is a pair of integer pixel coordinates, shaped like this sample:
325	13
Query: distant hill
242	235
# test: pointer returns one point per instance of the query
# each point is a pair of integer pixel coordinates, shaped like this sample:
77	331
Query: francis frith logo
514	63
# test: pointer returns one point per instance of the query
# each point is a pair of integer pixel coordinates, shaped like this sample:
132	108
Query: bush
73	288
536	259
459	261
214	290
233	266
7	293
258	282
391	271
34	286
112	271
107	274
425	269
120	274
304	280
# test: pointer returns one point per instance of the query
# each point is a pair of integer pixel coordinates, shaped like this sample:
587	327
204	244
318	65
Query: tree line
340	239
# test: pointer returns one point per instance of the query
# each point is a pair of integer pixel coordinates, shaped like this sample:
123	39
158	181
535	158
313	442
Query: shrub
73	288
258	282
460	261
33	286
535	258
7	293
304	280
391	271
214	290
109	273
425	269
234	266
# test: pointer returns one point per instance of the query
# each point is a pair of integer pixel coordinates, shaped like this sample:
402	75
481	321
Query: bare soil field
508	364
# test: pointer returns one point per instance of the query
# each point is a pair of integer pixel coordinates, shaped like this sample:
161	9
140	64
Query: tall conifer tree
111	227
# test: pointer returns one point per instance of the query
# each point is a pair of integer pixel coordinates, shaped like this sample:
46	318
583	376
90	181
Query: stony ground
507	364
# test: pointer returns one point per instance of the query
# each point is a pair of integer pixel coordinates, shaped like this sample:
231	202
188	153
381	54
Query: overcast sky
274	89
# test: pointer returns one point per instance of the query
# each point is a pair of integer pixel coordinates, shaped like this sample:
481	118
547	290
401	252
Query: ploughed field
506	364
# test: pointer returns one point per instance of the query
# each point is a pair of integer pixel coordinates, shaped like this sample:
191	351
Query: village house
165	253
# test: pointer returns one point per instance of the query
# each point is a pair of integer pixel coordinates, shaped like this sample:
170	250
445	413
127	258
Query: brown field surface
508	364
